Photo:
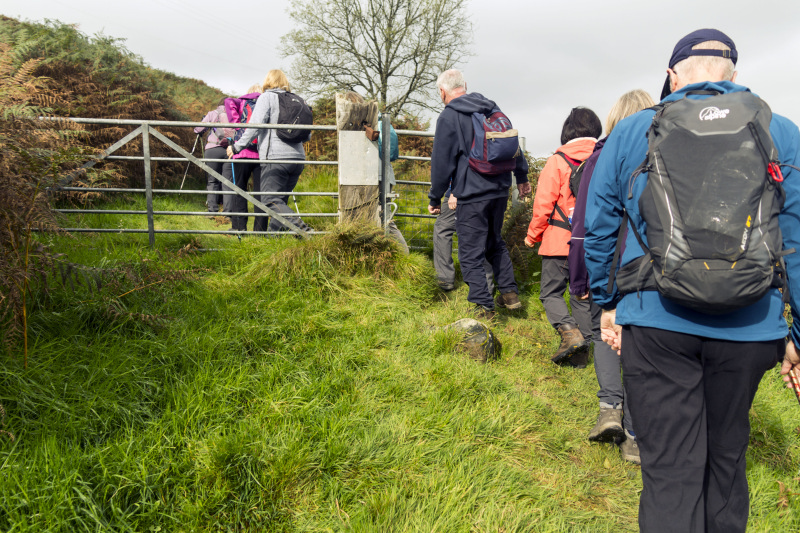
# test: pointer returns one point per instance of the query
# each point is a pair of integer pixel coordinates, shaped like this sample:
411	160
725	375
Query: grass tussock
349	252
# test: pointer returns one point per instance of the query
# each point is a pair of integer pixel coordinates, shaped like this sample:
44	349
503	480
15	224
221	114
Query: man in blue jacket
690	376
481	199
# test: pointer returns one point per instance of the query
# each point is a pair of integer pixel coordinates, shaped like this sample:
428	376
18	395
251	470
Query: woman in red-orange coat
551	226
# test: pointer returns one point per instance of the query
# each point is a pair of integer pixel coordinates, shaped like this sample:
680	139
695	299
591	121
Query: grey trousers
585	315
393	232
555	278
608	368
443	230
280	177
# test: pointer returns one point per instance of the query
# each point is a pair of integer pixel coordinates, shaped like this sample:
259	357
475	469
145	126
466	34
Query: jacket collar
723	87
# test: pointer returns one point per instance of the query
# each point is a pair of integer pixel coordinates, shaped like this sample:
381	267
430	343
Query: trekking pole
189	163
233	175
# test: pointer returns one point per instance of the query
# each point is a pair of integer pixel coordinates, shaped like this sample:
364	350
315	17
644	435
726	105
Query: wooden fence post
359	162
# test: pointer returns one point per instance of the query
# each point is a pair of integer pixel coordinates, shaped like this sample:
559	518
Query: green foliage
97	77
285	387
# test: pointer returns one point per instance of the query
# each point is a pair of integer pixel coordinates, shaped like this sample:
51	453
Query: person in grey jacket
275	177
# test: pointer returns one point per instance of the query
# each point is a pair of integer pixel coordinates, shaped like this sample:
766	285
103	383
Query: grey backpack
710	205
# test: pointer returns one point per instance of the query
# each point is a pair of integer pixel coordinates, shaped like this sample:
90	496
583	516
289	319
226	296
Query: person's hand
229	151
452	202
610	332
434	209
790	360
529	243
584	296
524	188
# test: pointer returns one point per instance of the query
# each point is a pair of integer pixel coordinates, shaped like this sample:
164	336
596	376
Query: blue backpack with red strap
495	144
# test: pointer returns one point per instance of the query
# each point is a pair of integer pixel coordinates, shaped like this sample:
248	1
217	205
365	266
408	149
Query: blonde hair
628	104
275	79
255	88
721	67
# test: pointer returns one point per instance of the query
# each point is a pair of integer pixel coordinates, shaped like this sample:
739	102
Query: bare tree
391	49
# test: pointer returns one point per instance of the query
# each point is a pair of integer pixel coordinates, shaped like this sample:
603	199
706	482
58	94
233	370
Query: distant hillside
97	77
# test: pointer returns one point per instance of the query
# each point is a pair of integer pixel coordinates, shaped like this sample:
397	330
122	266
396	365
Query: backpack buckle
775	171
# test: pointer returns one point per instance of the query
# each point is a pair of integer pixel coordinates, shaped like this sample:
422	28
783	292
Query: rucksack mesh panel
716	189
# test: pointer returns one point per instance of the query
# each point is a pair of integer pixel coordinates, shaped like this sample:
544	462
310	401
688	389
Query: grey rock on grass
479	342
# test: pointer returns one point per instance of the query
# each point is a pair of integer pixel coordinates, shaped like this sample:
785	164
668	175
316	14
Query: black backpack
710	205
293	110
574	184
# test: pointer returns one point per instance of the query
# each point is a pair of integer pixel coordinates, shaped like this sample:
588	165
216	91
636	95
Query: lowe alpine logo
713	113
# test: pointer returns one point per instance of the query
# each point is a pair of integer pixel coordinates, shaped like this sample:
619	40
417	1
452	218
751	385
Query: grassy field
285	385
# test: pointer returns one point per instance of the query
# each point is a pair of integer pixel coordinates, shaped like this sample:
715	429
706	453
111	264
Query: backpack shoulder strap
573	164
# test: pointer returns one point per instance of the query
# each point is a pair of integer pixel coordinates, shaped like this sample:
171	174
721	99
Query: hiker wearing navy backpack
614	421
551	225
216	143
712	209
481	186
243	164
278	145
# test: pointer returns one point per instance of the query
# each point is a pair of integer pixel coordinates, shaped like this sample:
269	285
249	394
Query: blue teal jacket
624	150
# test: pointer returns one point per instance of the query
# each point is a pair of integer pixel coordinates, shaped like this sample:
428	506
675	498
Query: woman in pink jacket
551	226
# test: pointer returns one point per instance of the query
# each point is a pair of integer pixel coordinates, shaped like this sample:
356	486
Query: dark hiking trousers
213	185
240	171
443	230
690	397
479	225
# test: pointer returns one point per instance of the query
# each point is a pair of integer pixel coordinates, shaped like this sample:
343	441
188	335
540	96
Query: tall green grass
284	385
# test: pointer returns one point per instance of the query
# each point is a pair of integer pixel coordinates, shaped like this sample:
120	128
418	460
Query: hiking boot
508	300
630	450
483	313
446	286
572	342
608	427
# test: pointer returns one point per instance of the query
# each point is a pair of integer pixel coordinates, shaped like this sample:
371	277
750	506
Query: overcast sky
536	59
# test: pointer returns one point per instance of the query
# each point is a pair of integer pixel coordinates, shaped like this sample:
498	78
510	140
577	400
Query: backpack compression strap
564	223
618	251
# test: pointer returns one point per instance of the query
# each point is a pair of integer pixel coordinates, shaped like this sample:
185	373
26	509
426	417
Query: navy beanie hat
684	50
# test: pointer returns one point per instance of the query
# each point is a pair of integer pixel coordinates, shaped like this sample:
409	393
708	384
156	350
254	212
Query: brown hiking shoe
508	300
572	342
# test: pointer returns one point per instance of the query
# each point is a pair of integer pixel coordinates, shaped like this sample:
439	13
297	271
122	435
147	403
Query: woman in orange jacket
551	226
